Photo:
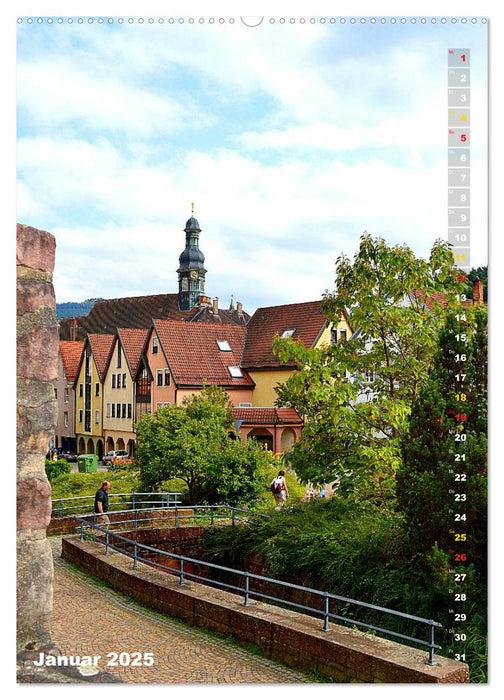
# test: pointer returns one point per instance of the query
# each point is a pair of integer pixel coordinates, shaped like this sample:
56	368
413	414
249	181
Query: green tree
357	395
194	442
442	484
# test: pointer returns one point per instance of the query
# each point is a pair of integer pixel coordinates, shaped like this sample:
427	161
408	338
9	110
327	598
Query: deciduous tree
356	396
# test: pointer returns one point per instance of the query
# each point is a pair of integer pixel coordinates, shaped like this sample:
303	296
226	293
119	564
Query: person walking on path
101	503
279	489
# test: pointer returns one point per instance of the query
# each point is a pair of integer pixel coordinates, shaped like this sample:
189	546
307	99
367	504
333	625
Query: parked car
69	456
114	454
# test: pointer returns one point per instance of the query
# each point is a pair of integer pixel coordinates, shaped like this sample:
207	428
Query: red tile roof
101	345
193	354
132	340
306	318
70	352
267	416
439	298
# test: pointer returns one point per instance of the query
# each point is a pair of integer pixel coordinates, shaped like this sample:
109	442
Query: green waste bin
87	463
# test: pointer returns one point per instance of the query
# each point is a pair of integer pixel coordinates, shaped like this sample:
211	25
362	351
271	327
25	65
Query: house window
343	335
65	419
97	389
124	380
108	411
97	416
288	332
66	394
244	405
160	377
124	410
235	372
129	410
224	346
81	390
80	415
113	410
155	346
113	381
370	377
161	404
55	393
118	410
119	355
167	377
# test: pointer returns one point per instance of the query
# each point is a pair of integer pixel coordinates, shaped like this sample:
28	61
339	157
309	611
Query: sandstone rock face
37	361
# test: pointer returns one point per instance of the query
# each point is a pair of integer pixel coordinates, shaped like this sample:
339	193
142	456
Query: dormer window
235	372
155	345
224	346
288	332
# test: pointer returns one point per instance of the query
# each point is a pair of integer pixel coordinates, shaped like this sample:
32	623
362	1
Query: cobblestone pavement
91	619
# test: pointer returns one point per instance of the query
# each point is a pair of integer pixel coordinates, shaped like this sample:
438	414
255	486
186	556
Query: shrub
55	469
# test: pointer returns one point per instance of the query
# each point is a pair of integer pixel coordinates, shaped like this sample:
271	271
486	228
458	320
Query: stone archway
90	447
81	447
263	436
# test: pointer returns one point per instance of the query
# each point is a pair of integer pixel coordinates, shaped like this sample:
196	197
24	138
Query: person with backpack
279	489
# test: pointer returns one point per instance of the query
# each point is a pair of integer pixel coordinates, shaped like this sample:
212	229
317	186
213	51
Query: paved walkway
91	619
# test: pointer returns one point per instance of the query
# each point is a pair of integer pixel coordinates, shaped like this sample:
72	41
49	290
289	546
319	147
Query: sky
291	139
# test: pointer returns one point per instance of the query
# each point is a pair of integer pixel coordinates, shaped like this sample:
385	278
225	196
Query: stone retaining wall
340	655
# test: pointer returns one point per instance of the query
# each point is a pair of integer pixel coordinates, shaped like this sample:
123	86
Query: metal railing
247	591
64	506
175	514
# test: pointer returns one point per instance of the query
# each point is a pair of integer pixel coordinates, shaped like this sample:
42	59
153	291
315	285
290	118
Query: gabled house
89	393
305	322
181	357
119	389
68	362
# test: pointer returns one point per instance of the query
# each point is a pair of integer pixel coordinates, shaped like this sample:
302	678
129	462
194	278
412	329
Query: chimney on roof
73	329
216	306
204	301
477	291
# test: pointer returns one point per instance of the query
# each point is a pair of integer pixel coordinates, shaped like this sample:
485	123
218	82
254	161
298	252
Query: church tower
191	272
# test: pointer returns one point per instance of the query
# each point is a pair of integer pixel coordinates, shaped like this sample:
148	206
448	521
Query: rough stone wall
37	364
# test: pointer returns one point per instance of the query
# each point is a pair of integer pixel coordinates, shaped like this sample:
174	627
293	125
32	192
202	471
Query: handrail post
106	544
326	612
181	573
233	516
133	501
82	531
136	519
431	661
61	508
135	555
211	515
176	516
247	590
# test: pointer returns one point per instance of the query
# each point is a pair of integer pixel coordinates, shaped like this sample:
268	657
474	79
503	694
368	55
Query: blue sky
291	138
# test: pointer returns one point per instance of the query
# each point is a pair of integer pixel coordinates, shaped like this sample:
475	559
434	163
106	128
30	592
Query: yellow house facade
304	322
89	394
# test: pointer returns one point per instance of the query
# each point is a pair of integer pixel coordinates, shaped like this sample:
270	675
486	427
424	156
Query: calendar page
252	311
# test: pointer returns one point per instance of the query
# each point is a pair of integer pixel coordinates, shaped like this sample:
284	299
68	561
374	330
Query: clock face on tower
194	274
